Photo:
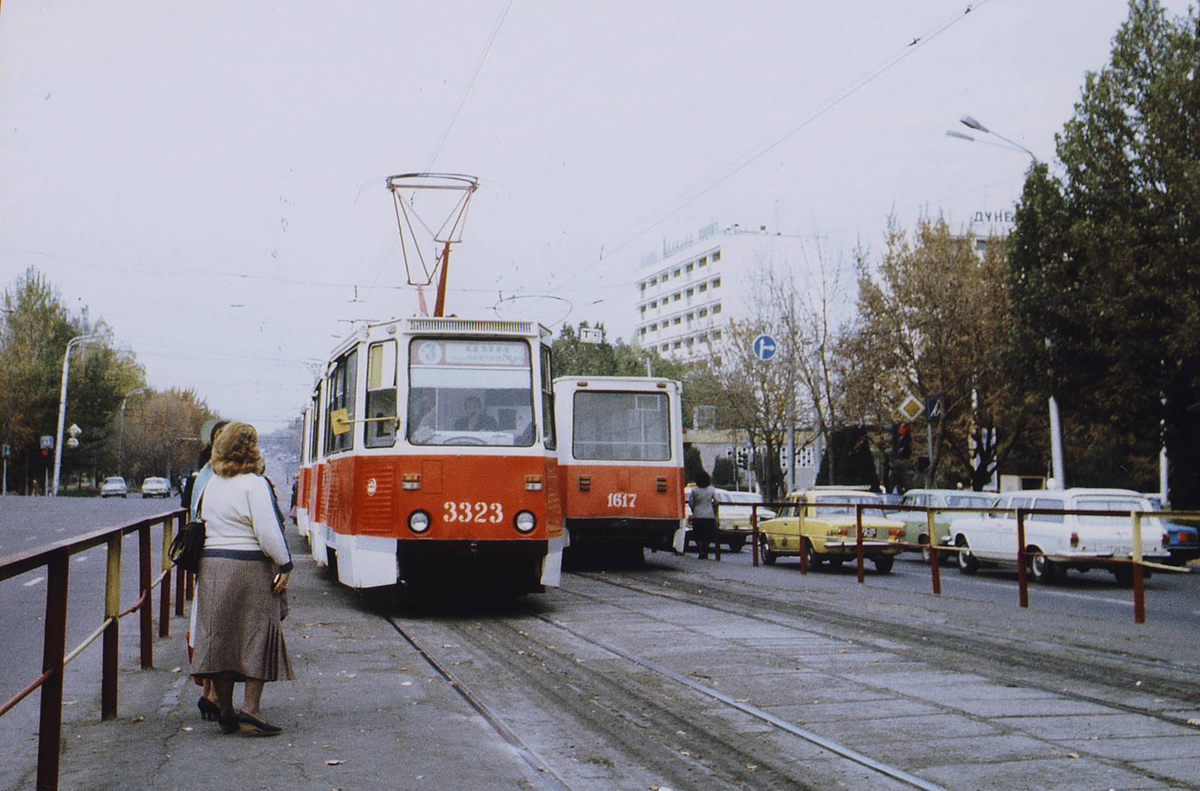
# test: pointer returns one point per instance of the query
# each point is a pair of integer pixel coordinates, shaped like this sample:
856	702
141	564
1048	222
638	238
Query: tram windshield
622	426
470	392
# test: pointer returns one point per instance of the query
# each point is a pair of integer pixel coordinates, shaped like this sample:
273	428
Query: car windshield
114	481
969	500
827	503
738	498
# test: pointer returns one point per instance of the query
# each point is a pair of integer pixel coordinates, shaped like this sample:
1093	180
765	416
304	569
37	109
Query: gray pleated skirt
237	618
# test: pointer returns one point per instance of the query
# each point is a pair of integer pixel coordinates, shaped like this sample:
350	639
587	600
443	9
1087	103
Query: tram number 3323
622	499
473	512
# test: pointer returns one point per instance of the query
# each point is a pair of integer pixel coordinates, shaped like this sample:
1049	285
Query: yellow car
820	523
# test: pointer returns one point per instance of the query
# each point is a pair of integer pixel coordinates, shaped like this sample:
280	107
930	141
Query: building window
643	309
716	256
702	262
806	457
690	292
716	308
654	303
689	268
642	285
677	320
666	347
703	337
653	327
678	344
676	273
716	335
690	316
716	282
703	312
702	287
654	281
677	296
642	331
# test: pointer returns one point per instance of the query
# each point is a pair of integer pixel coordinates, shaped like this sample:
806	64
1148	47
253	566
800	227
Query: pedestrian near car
244	569
703	501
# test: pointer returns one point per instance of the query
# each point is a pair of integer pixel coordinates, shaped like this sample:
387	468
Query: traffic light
743	458
45	453
894	437
904	444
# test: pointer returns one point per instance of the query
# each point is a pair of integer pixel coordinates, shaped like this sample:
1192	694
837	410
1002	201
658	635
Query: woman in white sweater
245	567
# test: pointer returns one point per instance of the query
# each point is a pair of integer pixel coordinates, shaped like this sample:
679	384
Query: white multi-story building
688	294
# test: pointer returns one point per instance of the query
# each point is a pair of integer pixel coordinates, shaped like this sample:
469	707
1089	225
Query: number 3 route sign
764	347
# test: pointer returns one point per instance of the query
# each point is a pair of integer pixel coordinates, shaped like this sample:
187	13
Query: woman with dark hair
244	568
703	501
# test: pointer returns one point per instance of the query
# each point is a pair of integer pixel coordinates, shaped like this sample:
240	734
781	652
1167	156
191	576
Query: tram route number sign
47	442
765	347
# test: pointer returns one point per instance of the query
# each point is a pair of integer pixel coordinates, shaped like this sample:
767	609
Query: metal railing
55	558
1024	555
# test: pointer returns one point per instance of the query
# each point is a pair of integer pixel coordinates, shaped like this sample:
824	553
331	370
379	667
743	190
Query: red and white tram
429	455
621	463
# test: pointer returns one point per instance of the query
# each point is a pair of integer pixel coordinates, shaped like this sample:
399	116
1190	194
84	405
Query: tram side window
380	427
548	400
340	387
470	392
314	416
622	426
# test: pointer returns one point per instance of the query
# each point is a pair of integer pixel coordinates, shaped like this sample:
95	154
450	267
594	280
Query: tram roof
448	325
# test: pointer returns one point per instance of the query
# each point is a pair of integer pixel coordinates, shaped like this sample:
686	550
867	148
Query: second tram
621	464
429	455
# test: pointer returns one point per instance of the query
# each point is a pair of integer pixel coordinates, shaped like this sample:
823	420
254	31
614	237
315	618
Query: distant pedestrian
703	501
244	570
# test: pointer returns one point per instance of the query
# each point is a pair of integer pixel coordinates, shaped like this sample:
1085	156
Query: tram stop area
364	711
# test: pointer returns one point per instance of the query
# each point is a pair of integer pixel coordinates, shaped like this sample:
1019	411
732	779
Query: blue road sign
764	347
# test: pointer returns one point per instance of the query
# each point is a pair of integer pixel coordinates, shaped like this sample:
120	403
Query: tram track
1008	658
658	722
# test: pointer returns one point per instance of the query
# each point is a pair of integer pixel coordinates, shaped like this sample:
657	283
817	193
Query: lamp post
1056	446
62	407
121	434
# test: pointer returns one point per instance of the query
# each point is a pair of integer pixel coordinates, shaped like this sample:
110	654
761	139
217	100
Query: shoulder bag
187	547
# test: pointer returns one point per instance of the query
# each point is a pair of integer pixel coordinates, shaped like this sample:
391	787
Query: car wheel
1042	569
768	556
883	563
1124	574
810	555
967	564
736	544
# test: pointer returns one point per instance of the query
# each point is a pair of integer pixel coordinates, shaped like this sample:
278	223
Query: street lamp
62	407
1056	446
121	435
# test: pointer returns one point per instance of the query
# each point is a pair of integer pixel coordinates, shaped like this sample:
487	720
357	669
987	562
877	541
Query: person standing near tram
703	501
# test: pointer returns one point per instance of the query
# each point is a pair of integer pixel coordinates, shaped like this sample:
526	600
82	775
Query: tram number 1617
473	512
622	499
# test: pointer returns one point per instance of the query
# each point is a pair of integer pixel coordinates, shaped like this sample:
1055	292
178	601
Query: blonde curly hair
235	451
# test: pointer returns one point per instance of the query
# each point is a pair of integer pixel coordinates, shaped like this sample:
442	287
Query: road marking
81	558
34	581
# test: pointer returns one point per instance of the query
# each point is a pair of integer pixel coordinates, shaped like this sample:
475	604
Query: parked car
156	487
1183	541
114	486
916	525
733	517
820	523
1059	542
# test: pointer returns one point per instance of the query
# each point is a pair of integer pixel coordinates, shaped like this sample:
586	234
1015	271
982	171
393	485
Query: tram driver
475	419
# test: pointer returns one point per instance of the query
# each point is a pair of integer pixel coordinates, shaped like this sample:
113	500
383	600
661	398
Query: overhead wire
756	152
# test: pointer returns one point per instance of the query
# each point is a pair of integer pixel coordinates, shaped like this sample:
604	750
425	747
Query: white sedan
114	486
156	487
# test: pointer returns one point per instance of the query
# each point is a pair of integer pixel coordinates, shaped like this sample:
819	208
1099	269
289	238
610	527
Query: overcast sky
209	178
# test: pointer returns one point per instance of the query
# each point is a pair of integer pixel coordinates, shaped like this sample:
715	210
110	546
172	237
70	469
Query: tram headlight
418	522
524	522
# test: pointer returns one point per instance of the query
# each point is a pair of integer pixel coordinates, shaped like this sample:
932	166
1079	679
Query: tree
35	330
1104	262
932	318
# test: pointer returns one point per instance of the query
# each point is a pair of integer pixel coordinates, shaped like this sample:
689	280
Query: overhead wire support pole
62	408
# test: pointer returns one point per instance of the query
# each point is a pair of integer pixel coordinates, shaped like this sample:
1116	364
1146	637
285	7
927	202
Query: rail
55	558
1024	555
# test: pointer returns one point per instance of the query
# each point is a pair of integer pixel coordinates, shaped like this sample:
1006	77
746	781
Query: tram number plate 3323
622	499
473	512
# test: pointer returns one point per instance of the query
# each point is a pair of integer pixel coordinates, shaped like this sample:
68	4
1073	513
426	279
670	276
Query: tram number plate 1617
473	512
622	499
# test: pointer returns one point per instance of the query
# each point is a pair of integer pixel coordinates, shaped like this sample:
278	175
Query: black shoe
253	726
228	723
208	709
